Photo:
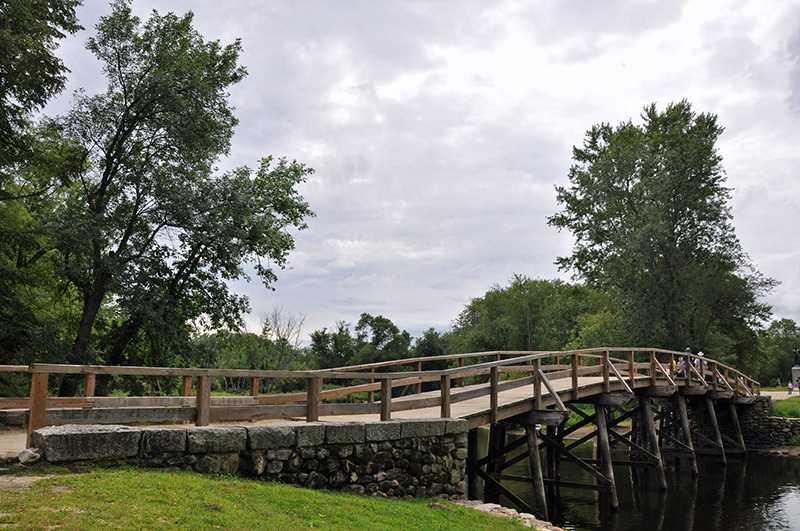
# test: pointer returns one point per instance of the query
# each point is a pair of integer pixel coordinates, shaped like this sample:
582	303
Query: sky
438	131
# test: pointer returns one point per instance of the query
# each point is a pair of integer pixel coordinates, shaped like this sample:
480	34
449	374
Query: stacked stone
419	458
759	429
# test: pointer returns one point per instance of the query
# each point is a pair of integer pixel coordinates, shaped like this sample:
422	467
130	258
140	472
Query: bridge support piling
473	479
535	461
497	440
715	426
646	409
687	433
605	453
736	426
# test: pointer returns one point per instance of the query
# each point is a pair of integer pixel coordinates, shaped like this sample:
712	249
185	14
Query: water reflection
760	492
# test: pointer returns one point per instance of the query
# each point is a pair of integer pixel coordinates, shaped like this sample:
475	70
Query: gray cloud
438	131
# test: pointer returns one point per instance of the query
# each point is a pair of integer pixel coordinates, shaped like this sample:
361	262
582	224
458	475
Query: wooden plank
445	391
350	409
222	414
203	403
551	390
89	384
313	401
38	404
13	368
119	416
14	403
186	386
493	399
386	400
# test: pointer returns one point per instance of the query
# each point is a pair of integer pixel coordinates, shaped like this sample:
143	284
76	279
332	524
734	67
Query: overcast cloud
439	130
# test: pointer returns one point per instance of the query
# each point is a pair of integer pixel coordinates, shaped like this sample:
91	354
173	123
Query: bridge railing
469	377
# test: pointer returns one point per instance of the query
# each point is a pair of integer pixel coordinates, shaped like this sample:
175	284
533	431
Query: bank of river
760	492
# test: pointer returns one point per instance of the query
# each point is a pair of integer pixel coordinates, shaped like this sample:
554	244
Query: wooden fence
619	369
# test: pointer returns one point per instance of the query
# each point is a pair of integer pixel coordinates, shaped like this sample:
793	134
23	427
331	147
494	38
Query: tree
332	349
147	226
30	73
649	212
33	311
528	314
376	339
776	343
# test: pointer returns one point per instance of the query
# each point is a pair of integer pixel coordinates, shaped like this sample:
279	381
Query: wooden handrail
524	368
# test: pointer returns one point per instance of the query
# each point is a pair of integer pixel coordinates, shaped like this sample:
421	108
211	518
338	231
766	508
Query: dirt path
12	442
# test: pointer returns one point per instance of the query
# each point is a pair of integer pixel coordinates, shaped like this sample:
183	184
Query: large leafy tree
146	225
33	312
30	72
648	207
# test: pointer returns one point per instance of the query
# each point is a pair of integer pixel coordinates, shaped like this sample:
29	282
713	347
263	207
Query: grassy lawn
788	407
132	498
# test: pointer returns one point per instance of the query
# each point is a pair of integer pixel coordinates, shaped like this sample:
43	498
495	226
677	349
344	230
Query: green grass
132	498
788	407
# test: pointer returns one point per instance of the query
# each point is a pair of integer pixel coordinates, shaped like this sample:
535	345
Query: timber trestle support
641	430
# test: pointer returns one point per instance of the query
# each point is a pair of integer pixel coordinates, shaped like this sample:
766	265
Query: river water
758	493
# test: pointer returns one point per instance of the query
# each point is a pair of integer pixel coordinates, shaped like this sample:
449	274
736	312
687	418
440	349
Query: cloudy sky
439	129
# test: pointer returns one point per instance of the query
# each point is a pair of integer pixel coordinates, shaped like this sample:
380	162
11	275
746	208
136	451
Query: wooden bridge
632	397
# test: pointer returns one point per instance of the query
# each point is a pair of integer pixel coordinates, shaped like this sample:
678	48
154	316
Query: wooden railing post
371	393
254	386
494	380
386	399
418	386
537	384
89	384
312	404
653	371
186	386
37	408
575	365
606	371
632	369
461	365
203	400
445	383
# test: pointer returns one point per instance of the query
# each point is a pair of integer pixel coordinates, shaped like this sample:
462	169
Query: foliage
33	311
776	343
131	498
374	339
31	73
531	314
136	238
649	211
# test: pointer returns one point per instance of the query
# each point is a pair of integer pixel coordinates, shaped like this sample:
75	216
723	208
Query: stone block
345	433
271	437
310	434
418	428
163	440
217	439
456	426
83	442
383	431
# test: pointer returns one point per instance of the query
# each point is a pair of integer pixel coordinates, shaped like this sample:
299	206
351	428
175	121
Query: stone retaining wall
420	458
760	430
